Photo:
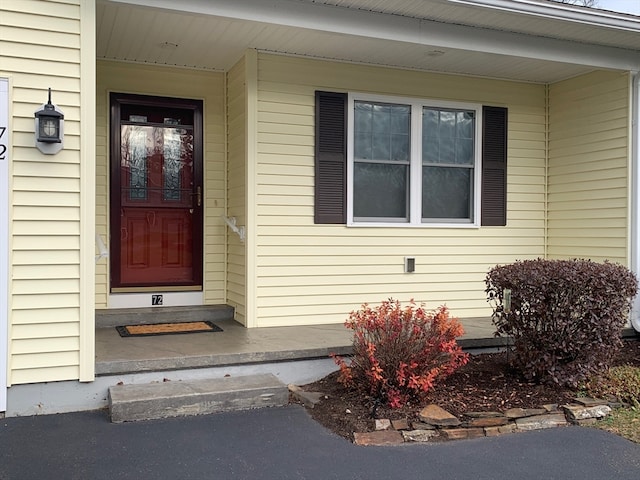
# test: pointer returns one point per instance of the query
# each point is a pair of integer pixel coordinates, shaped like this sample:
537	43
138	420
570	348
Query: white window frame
415	166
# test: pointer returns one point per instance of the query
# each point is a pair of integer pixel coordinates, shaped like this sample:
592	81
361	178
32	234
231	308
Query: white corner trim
635	192
251	179
5	149
87	190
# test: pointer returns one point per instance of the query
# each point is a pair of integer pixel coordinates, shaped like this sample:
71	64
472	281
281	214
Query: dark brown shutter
494	166
331	158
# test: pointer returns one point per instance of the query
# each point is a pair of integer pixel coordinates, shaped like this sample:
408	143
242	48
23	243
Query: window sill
415	225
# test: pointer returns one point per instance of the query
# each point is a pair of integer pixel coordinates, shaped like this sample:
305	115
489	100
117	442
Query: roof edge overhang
368	24
560	11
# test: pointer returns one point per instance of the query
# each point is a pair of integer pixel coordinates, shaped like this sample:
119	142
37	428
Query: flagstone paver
379	437
438	416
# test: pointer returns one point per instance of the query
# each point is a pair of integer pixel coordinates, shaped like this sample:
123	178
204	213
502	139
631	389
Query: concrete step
128	403
115	317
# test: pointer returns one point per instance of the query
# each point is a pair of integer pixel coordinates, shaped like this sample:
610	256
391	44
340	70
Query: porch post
87	191
635	193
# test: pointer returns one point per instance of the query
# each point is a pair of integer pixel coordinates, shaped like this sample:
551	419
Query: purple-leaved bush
566	316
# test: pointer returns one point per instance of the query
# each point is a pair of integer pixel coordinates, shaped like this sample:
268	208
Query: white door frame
4	239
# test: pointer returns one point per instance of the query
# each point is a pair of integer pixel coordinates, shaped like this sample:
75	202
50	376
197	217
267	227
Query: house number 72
3	145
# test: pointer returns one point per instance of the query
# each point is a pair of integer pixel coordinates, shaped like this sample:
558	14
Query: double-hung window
382	160
412	161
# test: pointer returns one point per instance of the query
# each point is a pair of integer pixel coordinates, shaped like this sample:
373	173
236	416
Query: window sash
372	177
446	198
448	153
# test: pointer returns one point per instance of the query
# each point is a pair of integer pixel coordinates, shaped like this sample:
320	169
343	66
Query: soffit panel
147	35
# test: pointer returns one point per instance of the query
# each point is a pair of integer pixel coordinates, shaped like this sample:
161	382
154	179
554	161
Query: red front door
156	193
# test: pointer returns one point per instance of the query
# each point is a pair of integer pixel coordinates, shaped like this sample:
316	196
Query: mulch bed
486	384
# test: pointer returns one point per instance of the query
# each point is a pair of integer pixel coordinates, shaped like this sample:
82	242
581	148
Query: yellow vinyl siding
57	286
179	83
46	301
33	375
52	344
308	273
236	187
43	361
588	167
25	272
41	316
42	46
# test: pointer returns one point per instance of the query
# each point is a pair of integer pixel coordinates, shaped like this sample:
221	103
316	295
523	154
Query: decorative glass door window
156	163
134	156
178	148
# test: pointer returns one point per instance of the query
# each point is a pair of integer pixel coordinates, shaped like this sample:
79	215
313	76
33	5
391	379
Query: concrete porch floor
237	345
296	355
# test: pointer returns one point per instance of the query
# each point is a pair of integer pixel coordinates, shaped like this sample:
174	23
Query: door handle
198	196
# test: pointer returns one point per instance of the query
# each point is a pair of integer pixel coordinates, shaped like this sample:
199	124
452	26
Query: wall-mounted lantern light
49	128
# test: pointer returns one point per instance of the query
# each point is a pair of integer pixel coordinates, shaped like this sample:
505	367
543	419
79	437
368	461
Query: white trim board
142	300
4	238
635	191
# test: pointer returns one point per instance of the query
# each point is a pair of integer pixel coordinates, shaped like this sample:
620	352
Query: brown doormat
167	329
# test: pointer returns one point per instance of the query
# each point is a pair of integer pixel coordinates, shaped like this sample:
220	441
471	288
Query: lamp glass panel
49	127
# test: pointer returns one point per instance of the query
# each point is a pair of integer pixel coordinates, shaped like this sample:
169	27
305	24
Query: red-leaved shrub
400	353
565	317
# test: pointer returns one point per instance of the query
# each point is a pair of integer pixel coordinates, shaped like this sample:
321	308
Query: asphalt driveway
285	443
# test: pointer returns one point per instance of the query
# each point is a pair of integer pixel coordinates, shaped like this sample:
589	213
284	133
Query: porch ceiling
453	36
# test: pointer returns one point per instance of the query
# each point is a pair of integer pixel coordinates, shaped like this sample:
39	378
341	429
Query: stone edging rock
436	424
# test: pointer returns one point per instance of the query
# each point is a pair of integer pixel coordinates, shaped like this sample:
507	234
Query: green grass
624	422
623	384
